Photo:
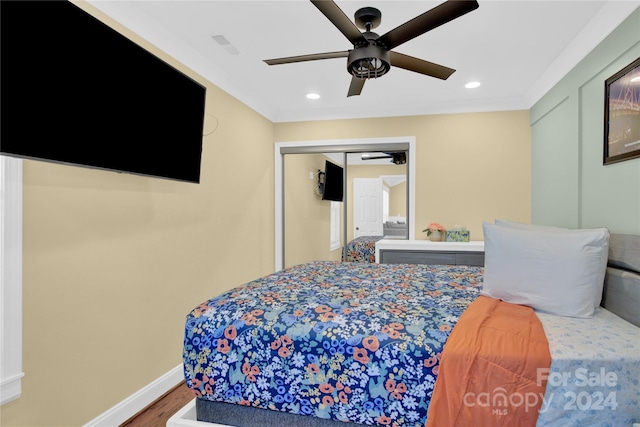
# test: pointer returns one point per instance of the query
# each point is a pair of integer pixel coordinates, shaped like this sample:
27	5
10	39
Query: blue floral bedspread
347	341
362	249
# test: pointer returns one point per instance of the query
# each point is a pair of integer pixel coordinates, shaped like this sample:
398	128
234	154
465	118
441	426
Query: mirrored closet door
375	199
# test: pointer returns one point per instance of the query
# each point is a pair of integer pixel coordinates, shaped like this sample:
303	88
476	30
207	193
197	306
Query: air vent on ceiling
226	44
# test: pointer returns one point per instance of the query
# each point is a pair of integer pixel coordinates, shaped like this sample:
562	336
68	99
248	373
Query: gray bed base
621	295
247	416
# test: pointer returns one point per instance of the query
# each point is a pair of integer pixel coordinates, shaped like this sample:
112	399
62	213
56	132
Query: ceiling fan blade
420	66
429	20
356	86
374	157
340	20
311	57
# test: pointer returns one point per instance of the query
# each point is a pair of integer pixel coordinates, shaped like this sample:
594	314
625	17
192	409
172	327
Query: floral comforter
347	341
362	249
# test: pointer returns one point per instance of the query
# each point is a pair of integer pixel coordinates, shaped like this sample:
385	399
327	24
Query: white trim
279	197
186	417
10	279
11	388
139	400
279	179
335	228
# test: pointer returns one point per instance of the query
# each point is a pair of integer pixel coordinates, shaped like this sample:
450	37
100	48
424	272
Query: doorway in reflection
376	196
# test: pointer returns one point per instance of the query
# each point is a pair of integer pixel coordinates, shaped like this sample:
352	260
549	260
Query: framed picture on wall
622	114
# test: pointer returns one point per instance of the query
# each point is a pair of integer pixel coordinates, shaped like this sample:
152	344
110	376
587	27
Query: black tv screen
333	182
75	91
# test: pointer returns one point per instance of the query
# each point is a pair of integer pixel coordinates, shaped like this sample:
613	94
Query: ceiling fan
397	157
372	55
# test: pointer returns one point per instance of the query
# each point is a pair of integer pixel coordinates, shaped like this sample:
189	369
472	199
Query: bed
395	228
322	343
323	338
362	249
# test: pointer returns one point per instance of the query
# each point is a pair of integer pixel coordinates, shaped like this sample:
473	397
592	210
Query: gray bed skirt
246	416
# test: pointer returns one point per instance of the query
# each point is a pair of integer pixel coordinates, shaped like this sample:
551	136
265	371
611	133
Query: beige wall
307	217
114	262
469	167
398	200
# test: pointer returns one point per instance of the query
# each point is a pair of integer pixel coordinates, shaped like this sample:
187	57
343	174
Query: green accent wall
570	186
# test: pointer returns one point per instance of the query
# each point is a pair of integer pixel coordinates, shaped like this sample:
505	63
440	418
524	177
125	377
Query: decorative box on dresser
427	252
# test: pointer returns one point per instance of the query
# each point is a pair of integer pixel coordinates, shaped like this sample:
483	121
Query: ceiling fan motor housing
367	18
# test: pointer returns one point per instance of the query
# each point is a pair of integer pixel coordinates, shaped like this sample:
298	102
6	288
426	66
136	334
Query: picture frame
622	115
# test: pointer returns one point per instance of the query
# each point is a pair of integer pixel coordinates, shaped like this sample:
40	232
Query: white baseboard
139	400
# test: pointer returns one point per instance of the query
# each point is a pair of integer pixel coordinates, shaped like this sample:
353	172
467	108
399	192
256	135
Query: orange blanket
489	368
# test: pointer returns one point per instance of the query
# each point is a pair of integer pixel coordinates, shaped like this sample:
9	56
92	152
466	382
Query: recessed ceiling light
636	79
472	85
313	96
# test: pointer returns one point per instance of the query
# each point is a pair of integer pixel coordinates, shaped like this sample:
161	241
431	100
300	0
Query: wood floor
158	413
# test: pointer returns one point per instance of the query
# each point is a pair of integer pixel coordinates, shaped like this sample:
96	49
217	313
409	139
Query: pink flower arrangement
434	226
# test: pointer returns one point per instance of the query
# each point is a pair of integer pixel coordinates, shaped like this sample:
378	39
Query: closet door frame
401	143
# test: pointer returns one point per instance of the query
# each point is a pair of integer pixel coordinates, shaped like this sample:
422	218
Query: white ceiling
517	49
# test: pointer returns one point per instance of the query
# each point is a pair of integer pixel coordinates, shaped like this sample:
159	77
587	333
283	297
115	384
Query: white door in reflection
367	207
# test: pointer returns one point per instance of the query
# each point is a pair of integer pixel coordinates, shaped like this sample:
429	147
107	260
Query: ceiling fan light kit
372	55
368	62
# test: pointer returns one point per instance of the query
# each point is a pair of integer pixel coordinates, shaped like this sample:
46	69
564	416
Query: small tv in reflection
333	182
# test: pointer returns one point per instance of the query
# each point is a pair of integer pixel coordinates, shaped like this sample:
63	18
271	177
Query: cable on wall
210	124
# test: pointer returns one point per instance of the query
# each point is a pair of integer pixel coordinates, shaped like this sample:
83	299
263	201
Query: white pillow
550	269
604	255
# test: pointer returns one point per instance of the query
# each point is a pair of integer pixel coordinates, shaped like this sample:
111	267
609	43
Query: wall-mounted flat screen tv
333	182
75	91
